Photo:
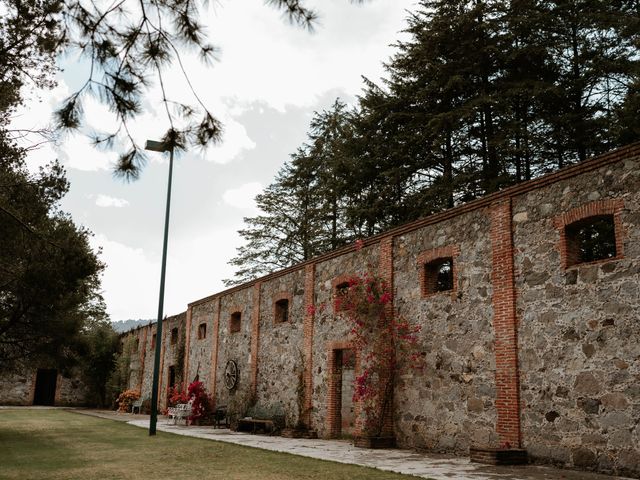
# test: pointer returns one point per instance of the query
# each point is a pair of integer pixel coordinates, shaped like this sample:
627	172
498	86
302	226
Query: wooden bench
181	411
137	404
254	425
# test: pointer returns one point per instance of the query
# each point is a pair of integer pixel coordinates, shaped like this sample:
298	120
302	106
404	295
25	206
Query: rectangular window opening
591	239
340	296
202	331
282	311
235	322
438	276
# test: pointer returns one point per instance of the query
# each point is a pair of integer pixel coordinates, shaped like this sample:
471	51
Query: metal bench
181	411
137	404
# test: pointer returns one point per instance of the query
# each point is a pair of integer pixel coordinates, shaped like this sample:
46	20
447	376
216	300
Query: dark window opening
174	336
172	376
153	341
235	322
591	239
340	295
282	311
202	331
438	276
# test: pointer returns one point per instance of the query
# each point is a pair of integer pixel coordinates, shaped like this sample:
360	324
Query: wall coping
593	163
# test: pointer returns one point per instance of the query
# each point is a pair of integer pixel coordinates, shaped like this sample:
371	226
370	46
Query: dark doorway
45	392
172	376
341	389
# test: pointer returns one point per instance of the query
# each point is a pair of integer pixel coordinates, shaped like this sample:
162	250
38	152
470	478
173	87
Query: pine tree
483	94
593	52
303	209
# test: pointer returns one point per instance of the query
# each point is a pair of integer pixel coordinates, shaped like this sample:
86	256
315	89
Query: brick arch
428	256
282	295
611	206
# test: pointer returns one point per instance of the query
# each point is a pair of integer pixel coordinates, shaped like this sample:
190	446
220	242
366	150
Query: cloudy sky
270	78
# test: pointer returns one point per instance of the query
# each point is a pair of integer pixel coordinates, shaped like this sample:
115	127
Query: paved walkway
437	467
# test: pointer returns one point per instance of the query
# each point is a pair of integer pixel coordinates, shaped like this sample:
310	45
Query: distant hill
126	325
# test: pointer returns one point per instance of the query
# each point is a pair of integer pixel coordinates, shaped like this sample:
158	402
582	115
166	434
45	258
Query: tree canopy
49	274
482	94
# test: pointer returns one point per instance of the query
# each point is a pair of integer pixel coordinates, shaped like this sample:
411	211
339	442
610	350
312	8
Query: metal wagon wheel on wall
231	375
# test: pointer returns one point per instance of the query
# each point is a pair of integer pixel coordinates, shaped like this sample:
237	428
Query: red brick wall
309	282
255	336
214	352
185	379
505	327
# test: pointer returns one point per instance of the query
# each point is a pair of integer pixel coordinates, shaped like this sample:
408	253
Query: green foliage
98	359
481	95
178	356
303	208
118	380
50	275
30	36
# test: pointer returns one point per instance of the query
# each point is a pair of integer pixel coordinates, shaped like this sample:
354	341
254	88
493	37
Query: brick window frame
429	256
599	208
235	321
174	335
202	331
277	315
337	283
153	341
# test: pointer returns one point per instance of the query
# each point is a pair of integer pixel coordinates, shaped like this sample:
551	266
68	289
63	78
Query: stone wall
280	350
142	356
526	350
19	388
579	328
235	346
450	405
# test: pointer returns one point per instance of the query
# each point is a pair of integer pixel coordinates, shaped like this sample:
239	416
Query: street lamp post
155	146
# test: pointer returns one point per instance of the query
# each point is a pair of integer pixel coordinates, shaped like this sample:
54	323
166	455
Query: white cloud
265	62
243	196
130	281
78	152
235	141
107	201
194	270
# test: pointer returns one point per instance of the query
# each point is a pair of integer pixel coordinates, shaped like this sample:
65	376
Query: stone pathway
437	467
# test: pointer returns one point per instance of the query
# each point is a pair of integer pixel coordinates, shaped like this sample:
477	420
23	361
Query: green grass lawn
55	444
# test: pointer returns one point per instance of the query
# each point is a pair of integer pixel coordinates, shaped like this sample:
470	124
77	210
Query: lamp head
156	146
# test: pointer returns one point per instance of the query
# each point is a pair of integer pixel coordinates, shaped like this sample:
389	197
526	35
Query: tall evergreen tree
484	93
594	52
303	209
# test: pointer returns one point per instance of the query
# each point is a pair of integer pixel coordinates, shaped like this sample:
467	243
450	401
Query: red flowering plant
174	397
200	401
385	344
